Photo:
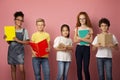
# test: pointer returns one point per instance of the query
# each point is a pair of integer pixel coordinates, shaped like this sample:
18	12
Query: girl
63	46
16	47
83	37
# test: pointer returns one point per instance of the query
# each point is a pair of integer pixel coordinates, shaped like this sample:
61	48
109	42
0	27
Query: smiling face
82	19
40	26
65	31
18	21
104	27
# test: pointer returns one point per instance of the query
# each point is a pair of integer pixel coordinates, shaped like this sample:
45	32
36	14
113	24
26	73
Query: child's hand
4	37
79	38
47	49
88	36
16	39
110	45
98	45
61	45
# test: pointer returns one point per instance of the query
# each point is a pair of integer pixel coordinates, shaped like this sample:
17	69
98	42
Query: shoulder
35	33
70	39
58	37
91	30
46	33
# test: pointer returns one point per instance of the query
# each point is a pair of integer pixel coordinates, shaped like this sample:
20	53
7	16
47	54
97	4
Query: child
83	37
104	53
63	46
43	60
16	47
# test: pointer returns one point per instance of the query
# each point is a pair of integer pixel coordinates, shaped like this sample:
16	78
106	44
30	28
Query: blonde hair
40	20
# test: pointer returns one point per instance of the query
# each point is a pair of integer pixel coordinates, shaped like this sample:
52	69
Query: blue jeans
63	70
107	63
37	62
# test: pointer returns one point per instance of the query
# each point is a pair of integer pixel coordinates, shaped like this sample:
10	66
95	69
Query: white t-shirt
104	52
63	55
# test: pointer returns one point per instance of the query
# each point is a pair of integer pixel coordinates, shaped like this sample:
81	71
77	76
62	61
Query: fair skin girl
104	30
61	46
89	37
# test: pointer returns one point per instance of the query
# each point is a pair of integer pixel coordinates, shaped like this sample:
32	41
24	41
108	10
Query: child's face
104	27
40	26
65	32
82	19
19	21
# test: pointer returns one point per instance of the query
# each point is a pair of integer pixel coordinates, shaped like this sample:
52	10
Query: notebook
10	33
83	34
40	48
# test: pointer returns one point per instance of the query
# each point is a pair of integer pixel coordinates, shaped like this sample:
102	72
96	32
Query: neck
83	25
17	27
41	31
105	32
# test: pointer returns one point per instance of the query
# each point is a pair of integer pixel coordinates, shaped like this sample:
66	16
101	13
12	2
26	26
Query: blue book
82	34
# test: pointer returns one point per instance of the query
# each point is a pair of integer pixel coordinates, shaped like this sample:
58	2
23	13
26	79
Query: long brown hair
88	22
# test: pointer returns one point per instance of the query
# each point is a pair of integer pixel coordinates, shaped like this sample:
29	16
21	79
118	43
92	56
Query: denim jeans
63	68
37	62
83	60
107	64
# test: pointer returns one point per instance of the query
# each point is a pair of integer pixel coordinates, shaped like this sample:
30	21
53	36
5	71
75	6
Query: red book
40	48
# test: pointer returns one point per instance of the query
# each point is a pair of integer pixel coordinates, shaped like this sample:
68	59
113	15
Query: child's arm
22	42
96	46
61	47
69	47
114	46
88	38
76	37
48	49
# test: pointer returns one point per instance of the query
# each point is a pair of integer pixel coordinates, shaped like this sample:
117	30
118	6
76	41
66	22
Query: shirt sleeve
56	42
71	42
94	41
26	36
48	38
115	40
32	38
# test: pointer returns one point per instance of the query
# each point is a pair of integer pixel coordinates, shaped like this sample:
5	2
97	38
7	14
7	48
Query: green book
82	34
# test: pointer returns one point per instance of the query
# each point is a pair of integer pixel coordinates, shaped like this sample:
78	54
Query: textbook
83	34
9	32
105	39
40	48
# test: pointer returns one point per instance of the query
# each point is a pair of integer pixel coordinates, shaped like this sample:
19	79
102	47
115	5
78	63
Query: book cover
10	33
40	48
105	39
83	34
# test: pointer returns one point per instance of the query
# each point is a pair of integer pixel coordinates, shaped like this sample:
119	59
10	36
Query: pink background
57	12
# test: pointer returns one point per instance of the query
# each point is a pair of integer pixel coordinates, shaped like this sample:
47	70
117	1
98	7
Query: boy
104	53
38	61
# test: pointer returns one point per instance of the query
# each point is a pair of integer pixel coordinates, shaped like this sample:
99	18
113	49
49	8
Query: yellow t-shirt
39	36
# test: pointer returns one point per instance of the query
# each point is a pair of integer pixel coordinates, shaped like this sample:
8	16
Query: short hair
67	26
18	13
104	20
40	20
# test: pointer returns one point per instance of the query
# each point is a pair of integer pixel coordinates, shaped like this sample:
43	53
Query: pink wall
57	12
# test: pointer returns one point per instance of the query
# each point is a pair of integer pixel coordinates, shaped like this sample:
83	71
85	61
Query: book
10	33
105	39
40	48
83	34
